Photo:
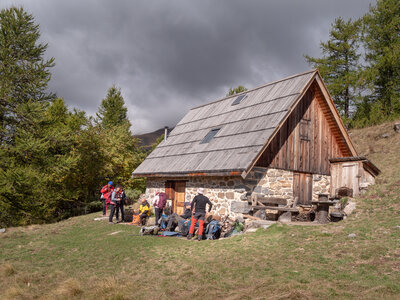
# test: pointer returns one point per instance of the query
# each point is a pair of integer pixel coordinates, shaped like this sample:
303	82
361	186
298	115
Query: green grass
79	259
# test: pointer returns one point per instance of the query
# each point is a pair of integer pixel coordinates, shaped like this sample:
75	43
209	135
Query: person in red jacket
106	195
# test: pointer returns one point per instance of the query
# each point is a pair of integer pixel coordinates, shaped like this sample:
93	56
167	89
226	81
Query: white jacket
155	201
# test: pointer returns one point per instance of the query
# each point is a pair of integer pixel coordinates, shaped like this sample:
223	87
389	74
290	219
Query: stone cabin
284	139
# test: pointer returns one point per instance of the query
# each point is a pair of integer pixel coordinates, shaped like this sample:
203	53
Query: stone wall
223	191
271	182
154	185
321	185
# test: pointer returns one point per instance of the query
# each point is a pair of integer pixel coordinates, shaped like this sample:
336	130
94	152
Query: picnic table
322	212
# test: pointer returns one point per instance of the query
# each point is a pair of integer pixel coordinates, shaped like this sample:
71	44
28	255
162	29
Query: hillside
148	139
83	259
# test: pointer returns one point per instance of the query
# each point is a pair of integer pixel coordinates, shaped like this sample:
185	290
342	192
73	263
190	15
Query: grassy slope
79	259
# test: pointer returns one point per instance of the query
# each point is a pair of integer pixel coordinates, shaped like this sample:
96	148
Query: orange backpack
136	220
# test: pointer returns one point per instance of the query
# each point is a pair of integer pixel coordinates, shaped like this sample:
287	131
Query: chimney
165	133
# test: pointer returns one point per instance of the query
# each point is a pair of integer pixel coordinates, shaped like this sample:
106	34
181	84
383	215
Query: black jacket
199	202
187	214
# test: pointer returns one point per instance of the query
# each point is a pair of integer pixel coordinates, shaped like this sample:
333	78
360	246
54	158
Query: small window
210	136
239	99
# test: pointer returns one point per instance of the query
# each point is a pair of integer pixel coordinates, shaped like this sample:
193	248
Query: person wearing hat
106	195
115	198
199	207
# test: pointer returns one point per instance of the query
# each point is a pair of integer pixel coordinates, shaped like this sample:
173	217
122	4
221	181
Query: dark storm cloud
168	56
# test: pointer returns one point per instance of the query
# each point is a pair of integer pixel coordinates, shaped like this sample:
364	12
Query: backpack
163	221
149	230
213	230
162	200
136	220
185	228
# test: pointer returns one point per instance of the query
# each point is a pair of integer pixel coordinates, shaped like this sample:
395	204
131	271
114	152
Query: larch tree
239	89
382	46
339	64
38	133
24	73
118	145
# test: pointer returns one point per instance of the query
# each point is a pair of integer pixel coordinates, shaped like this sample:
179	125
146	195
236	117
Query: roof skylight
239	99
210	135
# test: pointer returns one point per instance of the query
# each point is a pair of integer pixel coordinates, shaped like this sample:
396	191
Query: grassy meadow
84	259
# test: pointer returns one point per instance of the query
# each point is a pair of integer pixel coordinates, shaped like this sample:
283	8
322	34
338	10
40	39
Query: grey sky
168	56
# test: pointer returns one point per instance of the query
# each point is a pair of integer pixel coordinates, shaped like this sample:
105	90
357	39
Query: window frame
239	99
210	135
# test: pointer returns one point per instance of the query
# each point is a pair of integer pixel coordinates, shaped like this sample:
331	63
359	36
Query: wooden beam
279	208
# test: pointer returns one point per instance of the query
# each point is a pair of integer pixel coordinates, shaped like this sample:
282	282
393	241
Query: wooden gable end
308	138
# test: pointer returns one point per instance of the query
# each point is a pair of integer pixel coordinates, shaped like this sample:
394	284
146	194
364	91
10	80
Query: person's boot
199	237
189	236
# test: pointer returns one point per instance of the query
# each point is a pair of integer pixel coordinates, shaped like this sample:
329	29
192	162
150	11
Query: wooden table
322	212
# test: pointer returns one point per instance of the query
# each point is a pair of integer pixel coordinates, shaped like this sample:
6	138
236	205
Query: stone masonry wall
222	191
272	182
321	185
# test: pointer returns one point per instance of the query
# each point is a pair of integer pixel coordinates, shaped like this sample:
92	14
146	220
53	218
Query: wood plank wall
308	139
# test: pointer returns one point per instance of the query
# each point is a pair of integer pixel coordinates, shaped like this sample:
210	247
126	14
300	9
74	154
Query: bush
94	206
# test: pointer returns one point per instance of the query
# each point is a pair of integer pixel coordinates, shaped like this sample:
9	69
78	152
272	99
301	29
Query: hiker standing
144	211
120	205
199	206
159	203
113	204
106	195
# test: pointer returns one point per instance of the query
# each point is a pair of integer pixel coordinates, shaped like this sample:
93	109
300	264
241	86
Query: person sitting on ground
106	196
163	221
114	203
144	211
176	220
120	205
199	207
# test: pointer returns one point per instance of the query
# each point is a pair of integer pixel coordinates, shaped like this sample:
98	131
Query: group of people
195	211
114	198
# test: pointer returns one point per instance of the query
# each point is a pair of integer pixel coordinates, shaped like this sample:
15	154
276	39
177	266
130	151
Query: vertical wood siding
308	139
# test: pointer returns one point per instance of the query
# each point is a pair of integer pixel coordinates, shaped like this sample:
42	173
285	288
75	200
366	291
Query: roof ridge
257	88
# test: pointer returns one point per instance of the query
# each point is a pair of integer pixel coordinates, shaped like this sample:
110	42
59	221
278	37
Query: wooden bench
273	203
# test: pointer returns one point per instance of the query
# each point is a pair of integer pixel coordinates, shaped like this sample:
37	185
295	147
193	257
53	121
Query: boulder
396	127
261	214
259	224
285	217
350	207
240	207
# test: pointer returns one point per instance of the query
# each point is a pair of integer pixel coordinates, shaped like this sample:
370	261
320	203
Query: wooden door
179	197
175	191
345	174
170	191
302	188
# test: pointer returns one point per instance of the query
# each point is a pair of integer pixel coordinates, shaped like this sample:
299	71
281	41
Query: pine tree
339	65
382	46
112	111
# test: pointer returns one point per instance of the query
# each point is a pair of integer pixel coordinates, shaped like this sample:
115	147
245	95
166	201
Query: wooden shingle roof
245	129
